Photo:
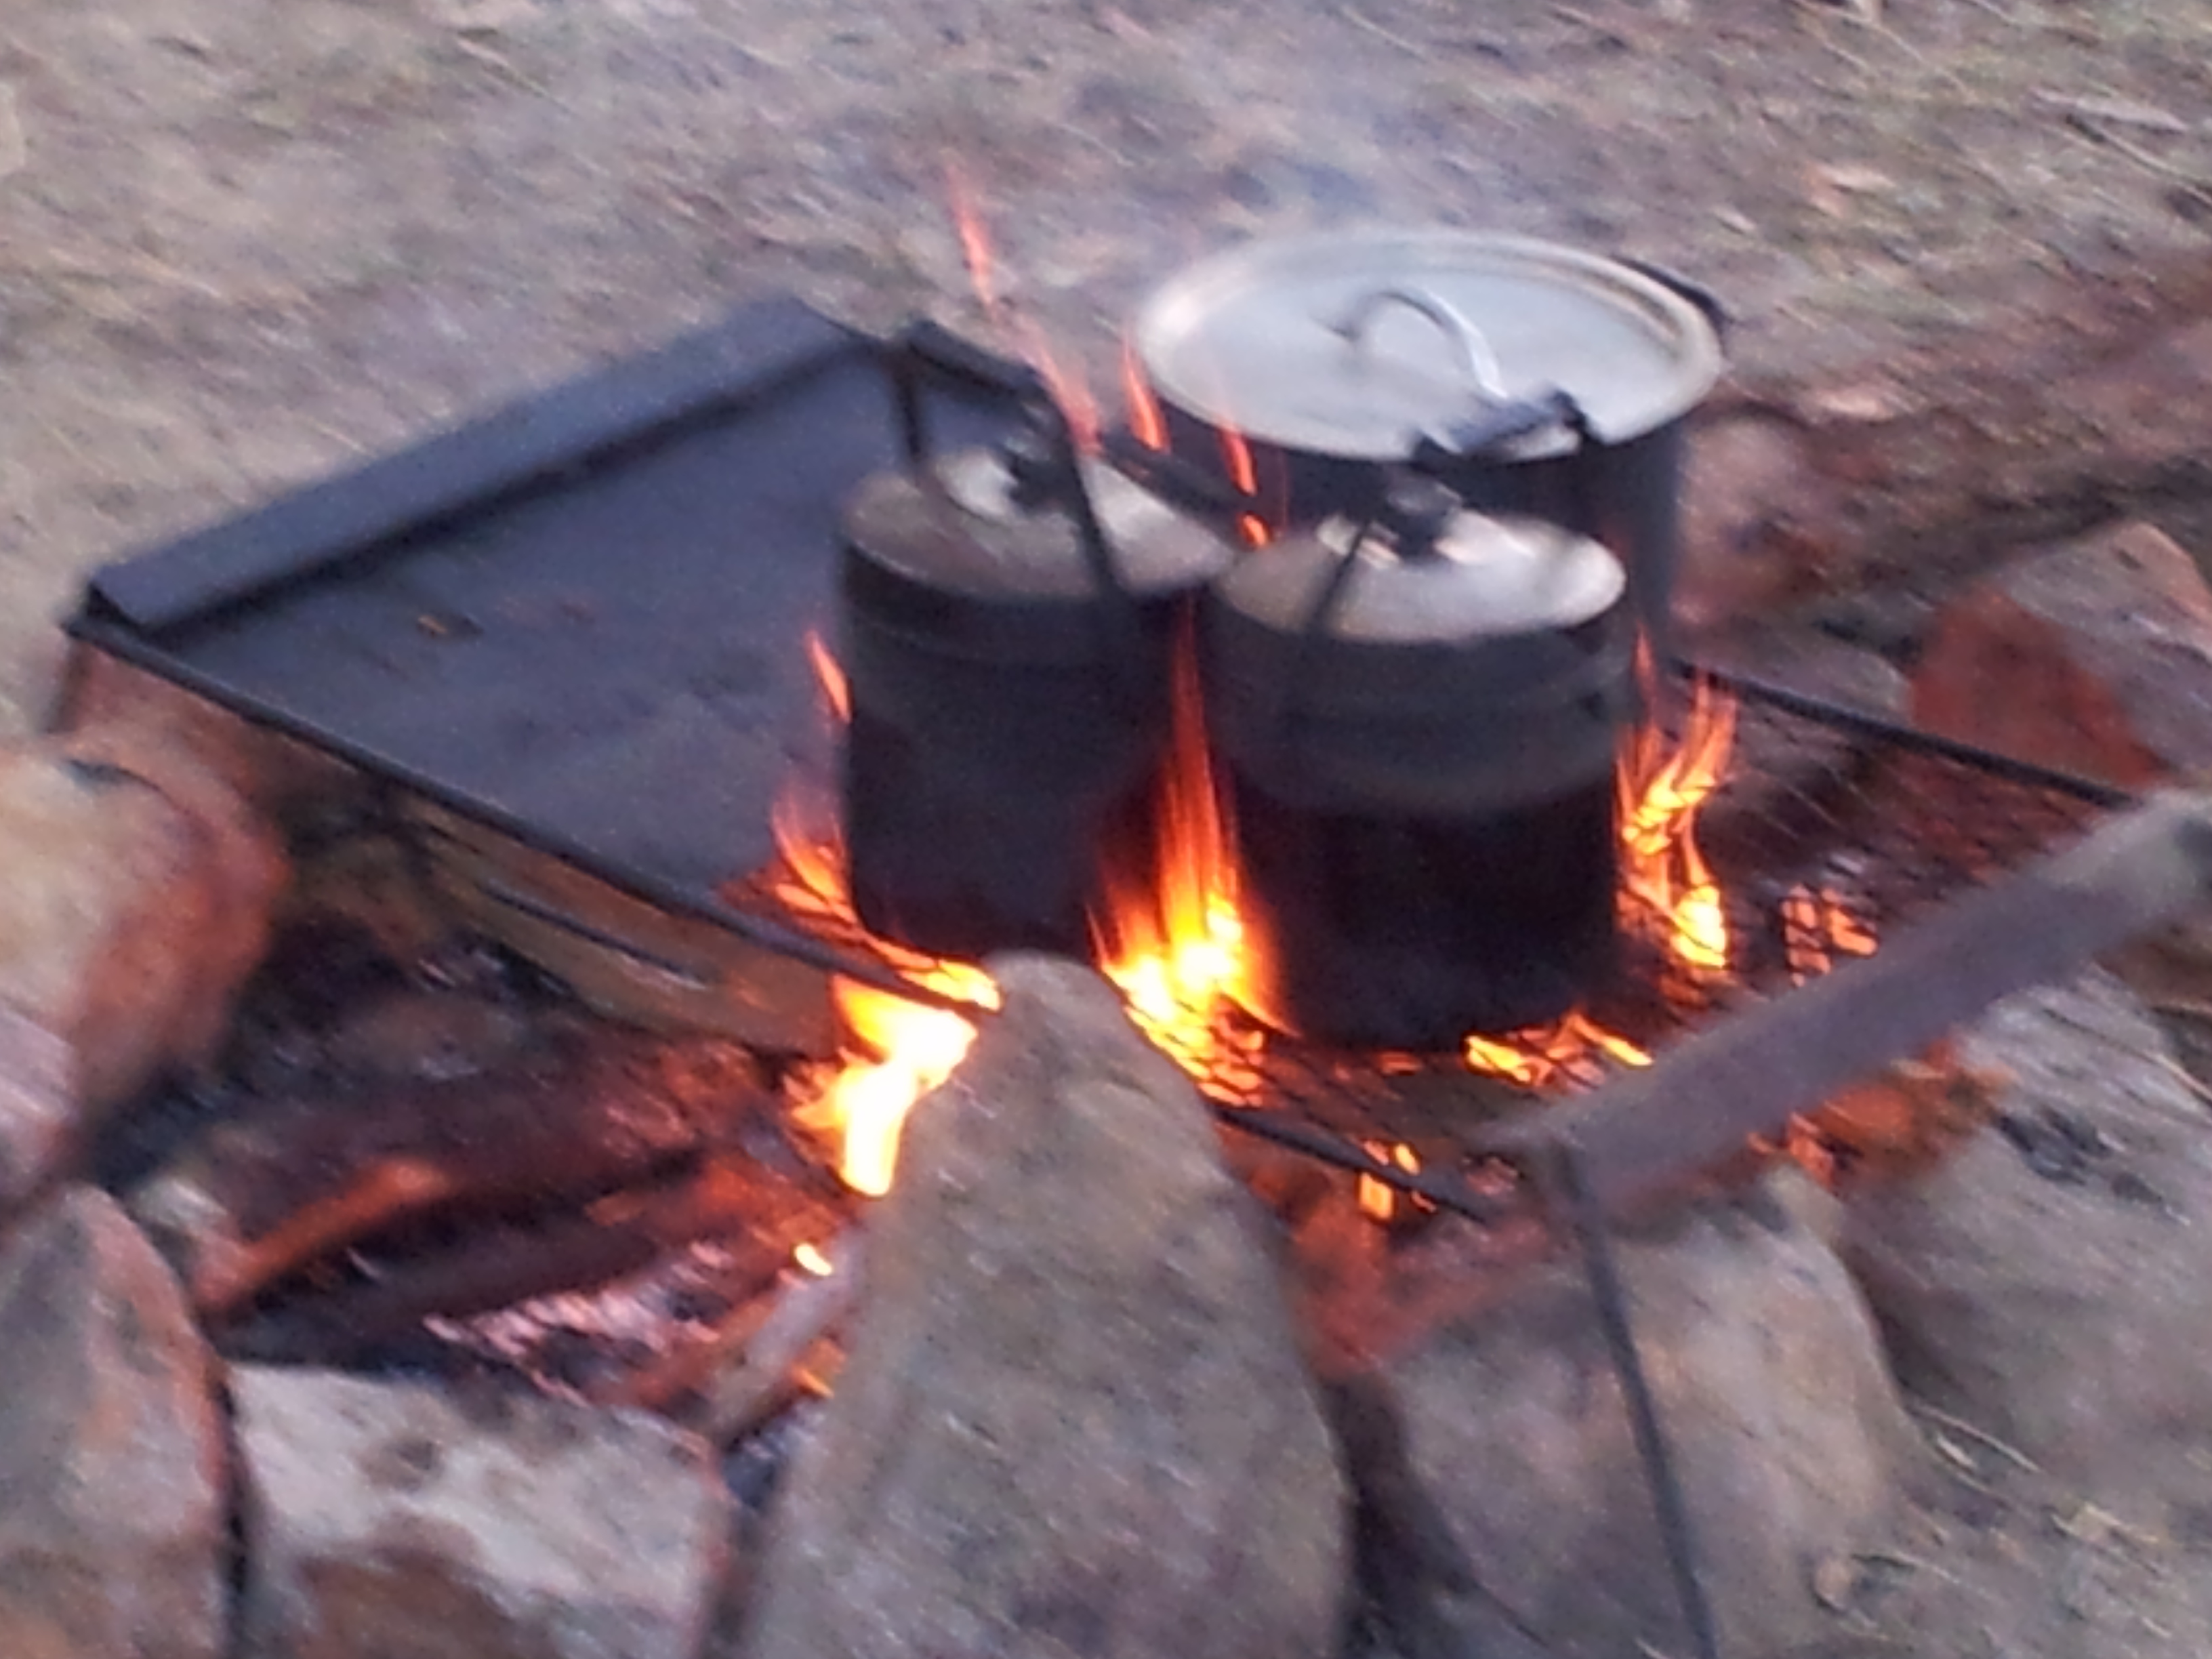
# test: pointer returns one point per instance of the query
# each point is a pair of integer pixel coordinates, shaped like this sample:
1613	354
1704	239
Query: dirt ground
243	243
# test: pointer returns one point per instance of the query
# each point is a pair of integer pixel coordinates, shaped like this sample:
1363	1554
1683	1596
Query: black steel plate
581	619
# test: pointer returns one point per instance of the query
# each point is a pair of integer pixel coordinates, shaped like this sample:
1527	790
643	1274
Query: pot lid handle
1475	354
1050	468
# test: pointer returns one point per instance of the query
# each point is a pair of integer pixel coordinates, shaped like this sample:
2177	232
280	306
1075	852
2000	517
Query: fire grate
1832	829
582	622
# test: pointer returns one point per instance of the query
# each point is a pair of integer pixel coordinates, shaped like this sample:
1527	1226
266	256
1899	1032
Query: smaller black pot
1006	622
1416	745
1538	380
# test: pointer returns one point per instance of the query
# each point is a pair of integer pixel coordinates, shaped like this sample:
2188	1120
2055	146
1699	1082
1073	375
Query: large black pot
1006	623
1415	733
1539	379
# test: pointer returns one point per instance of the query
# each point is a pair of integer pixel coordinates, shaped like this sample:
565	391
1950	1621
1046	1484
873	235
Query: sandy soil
244	242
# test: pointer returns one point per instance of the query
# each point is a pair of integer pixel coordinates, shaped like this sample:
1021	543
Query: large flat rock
1073	1419
385	1520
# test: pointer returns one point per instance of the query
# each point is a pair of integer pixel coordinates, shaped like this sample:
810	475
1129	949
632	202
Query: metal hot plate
581	620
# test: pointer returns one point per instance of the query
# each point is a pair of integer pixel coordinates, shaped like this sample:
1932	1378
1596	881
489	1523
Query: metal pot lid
1357	345
962	527
1483	578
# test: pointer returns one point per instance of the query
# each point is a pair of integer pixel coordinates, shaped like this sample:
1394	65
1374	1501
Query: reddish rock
137	900
1758	518
385	1520
111	1526
38	1113
2094	657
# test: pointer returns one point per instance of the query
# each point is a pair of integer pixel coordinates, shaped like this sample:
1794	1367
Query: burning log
262	1198
768	1366
622	1233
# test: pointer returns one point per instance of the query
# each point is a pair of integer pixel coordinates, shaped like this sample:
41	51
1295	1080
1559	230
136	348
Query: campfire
686	1217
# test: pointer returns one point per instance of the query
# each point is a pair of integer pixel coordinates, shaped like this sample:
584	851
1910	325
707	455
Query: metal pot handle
1475	354
929	354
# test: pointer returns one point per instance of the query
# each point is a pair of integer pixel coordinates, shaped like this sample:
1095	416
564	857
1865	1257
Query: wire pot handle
927	355
1473	347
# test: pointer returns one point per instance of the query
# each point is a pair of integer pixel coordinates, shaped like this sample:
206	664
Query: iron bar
1748	1075
1571	1195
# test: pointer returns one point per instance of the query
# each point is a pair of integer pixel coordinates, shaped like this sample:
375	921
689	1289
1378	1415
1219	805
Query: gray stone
111	1524
393	1522
1073	1418
2049	1281
1496	1452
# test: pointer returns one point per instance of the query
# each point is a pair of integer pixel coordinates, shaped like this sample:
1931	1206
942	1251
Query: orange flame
1064	383
829	677
1148	423
1668	889
1817	926
1378	1200
974	241
897	1050
1237	454
1667	882
1173	941
1573	1048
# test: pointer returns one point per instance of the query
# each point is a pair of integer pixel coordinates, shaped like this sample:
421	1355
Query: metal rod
1442	1191
1562	1179
1824	712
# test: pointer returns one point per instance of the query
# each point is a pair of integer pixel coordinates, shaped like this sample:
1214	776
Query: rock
2049	1282
38	1116
1072	1418
2094	657
1498	1437
1791	780
103	697
383	1519
112	1541
137	900
1756	517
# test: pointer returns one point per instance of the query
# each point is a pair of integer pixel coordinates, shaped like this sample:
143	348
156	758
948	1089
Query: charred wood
497	1266
261	1197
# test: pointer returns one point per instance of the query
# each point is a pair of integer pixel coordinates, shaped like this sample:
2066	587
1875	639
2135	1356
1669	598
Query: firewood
495	1268
765	1371
261	1198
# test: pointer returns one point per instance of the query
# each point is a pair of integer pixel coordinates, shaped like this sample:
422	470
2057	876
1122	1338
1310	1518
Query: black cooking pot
1414	727
1005	620
1540	381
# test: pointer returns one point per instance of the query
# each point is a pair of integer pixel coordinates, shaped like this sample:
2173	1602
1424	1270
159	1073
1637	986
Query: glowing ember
1378	1200
1817	926
1573	1048
810	1259
1666	880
